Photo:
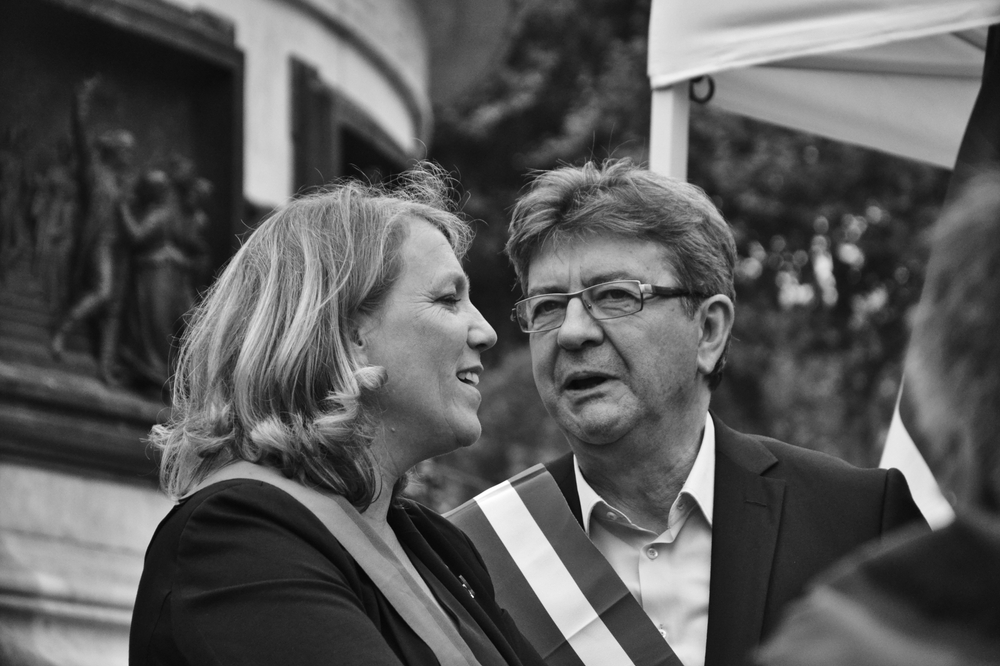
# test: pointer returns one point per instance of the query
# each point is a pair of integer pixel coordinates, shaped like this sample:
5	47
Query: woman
338	349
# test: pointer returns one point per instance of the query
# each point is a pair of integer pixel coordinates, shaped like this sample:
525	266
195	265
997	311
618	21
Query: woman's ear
716	316
359	331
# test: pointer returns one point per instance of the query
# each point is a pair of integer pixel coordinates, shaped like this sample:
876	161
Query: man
705	533
932	598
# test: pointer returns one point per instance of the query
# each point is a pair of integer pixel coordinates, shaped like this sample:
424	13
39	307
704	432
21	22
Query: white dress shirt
668	574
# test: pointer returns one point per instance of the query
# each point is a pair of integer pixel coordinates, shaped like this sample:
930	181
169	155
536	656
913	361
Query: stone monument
120	195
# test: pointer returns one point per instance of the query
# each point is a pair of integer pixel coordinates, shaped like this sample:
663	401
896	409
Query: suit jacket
782	514
242	573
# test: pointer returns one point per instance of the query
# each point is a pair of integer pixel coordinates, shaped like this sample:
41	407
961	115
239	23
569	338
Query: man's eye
546	307
614	295
450	299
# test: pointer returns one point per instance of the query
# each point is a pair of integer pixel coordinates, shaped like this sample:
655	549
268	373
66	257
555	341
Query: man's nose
579	328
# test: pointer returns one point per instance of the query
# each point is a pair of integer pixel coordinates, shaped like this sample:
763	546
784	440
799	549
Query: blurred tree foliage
829	236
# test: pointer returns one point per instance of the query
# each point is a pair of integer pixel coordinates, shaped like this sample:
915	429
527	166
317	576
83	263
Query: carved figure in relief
15	237
53	211
102	254
168	255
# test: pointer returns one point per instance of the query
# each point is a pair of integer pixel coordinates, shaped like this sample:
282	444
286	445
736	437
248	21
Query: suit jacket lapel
564	474
745	525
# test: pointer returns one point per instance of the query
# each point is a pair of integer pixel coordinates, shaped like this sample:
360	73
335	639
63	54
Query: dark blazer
782	514
242	573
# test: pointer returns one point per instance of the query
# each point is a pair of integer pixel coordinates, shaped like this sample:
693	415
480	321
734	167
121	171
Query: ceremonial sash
565	597
373	555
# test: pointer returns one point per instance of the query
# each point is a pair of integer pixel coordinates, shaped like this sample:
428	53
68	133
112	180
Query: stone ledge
59	418
71	555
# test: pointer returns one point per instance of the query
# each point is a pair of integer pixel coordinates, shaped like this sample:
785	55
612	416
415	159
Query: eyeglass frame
645	289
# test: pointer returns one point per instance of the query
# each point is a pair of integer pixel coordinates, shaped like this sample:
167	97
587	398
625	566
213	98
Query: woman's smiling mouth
470	377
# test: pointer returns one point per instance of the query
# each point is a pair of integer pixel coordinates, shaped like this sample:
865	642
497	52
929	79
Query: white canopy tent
896	75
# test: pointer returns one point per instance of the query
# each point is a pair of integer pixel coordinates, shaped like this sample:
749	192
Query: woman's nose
481	334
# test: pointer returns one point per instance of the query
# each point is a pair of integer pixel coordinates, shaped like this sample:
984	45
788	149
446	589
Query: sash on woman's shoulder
565	597
373	555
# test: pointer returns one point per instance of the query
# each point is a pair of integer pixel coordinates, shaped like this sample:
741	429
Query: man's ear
715	315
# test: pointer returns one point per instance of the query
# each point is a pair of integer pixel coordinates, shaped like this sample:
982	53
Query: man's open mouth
584	383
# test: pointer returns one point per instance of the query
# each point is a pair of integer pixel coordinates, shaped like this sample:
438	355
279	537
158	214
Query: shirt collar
699	485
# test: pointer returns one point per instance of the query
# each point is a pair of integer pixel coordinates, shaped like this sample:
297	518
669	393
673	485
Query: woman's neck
377	512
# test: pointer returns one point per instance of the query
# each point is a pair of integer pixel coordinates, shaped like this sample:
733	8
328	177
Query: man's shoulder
801	456
791	461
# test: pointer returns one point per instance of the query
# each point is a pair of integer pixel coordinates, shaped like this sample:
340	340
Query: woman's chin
474	435
467	436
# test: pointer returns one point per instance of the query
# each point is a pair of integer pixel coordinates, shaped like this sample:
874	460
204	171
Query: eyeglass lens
605	301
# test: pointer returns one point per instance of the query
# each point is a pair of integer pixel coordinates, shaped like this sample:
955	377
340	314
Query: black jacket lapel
745	523
564	474
432	547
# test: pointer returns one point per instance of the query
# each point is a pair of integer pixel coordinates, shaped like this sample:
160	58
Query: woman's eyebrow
458	279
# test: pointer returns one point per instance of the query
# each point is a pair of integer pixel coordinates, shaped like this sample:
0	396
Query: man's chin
596	419
596	431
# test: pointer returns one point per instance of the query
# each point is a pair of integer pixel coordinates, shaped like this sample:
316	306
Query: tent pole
668	132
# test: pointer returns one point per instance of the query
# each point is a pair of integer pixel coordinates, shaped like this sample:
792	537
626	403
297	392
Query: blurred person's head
338	309
953	362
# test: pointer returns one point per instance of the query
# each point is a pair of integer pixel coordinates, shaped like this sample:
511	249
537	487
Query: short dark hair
953	362
619	198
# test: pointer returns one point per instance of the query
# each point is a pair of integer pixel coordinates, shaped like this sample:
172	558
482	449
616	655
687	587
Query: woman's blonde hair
267	370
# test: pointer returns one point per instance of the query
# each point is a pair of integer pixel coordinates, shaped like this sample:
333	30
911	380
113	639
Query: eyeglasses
608	300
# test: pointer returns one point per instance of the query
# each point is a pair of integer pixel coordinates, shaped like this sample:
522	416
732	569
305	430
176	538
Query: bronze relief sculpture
119	251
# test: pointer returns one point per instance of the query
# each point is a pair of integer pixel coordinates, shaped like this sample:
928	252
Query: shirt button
612	515
663	632
652	553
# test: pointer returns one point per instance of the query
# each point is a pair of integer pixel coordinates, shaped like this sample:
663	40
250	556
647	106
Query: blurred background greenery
830	238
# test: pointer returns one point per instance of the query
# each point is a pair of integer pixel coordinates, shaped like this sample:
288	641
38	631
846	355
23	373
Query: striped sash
565	597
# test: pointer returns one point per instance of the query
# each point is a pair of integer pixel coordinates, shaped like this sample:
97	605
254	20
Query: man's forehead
596	257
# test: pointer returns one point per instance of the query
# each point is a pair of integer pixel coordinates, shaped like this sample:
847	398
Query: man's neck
642	476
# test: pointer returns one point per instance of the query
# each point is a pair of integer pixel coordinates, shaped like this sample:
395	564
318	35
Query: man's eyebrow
589	281
607	276
541	290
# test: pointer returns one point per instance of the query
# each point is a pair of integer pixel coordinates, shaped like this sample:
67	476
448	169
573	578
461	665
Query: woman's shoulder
242	511
234	497
257	568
